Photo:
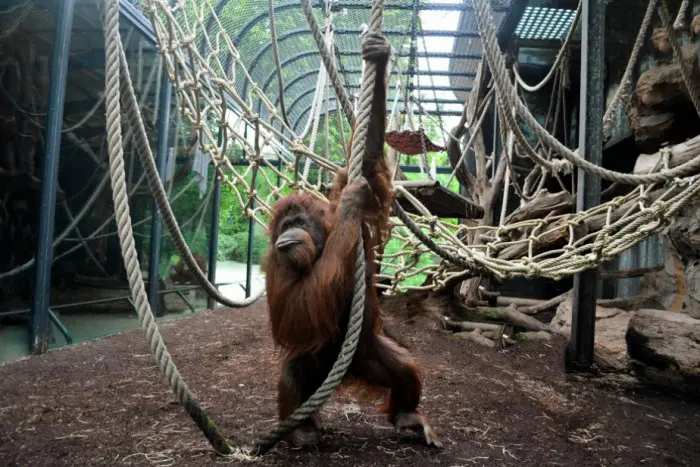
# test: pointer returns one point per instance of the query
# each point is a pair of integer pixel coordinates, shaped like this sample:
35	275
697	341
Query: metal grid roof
463	69
247	23
541	23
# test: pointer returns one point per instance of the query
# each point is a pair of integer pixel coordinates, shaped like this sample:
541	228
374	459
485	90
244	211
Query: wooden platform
440	201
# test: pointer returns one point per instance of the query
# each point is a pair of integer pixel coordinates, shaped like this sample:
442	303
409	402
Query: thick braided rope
678	55
340	91
278	65
680	19
158	190
429	242
557	61
360	136
623	89
352	335
507	97
126	239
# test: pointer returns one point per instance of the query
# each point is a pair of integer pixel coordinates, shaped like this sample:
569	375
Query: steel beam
40	326
214	232
165	99
580	349
356	32
432	101
312	53
358	71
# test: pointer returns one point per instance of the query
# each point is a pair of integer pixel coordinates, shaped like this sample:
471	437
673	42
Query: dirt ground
105	403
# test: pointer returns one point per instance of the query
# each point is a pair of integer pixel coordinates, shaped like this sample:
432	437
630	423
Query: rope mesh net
220	61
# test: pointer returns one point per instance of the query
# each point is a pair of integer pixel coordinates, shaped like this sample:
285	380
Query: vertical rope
113	48
278	65
626	81
325	56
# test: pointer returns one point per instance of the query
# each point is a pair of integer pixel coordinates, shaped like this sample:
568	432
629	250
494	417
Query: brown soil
105	403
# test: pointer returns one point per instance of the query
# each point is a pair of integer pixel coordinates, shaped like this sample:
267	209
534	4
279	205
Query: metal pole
157	221
580	350
214	233
40	324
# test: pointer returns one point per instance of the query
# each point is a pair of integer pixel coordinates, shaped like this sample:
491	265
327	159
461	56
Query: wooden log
545	203
558	230
518	301
533	336
470	325
511	315
668	342
627	273
679	154
545	305
628	303
476	337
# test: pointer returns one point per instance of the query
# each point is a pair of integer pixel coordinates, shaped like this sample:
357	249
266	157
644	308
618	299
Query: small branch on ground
476	337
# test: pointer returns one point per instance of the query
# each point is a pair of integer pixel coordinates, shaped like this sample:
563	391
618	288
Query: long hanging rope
161	197
361	136
626	81
557	61
507	98
278	65
340	91
120	198
352	335
117	68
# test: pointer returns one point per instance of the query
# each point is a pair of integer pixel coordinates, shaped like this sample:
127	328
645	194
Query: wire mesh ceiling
445	31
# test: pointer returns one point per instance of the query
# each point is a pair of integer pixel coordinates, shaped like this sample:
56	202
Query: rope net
224	93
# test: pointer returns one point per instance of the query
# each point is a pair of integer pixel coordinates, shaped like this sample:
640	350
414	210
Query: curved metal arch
354	31
310	53
292	59
357	71
358	5
422	99
400	110
343	4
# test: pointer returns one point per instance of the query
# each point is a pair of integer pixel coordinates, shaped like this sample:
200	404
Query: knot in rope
533	269
561	165
297	146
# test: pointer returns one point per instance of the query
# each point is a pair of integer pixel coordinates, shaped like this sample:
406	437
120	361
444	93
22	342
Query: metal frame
358	71
359	5
40	327
592	106
455	113
354	32
157	220
314	53
401	98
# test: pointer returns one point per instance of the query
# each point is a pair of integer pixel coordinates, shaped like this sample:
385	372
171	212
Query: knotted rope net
195	52
210	77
